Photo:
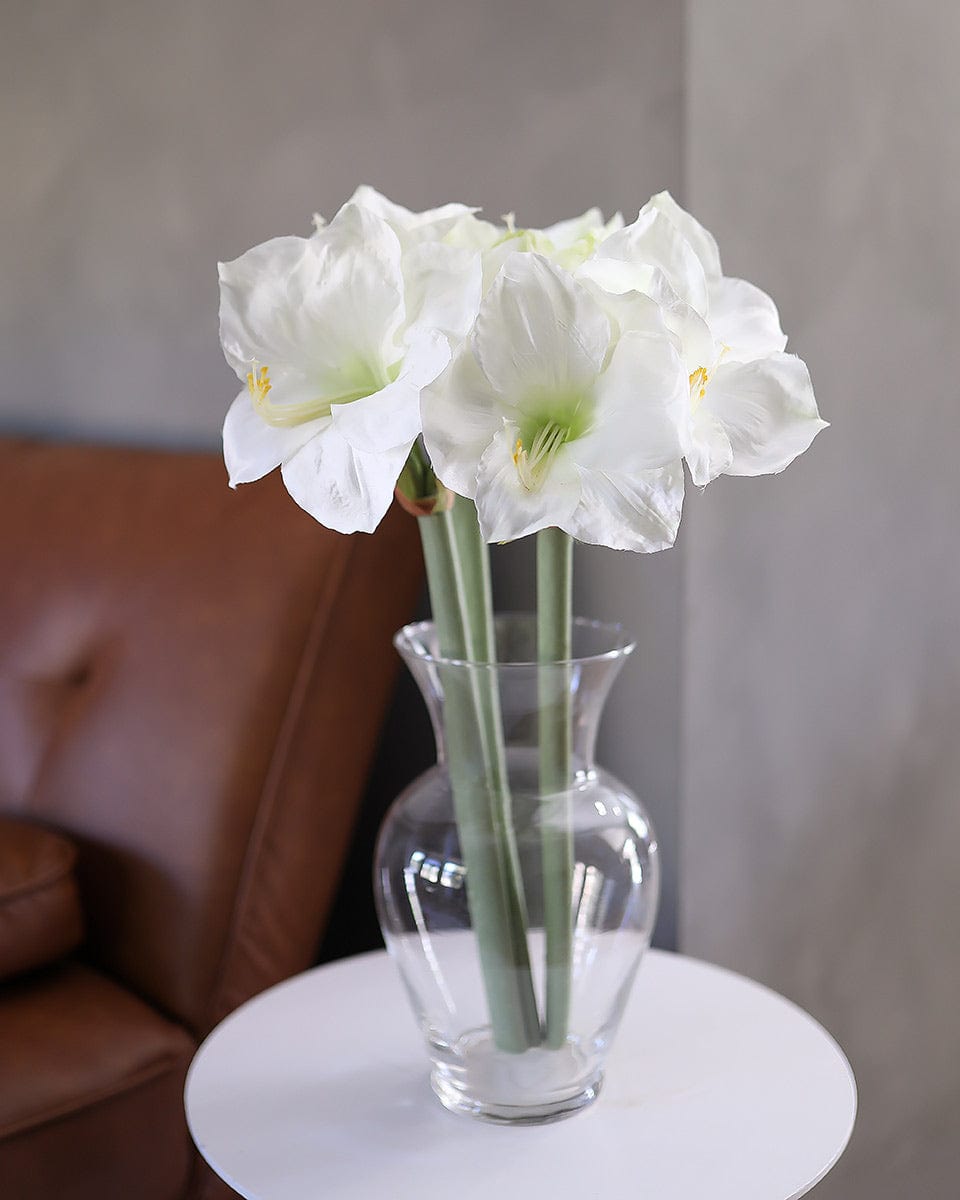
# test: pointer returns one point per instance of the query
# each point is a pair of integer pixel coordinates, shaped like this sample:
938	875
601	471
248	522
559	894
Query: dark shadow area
406	749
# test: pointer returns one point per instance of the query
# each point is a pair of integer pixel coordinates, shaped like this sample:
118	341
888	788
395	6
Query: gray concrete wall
141	142
821	687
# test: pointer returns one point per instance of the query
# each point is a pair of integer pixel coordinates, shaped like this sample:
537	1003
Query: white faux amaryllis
546	418
746	415
751	407
334	337
567	243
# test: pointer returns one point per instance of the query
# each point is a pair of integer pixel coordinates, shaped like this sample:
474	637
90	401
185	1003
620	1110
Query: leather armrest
40	914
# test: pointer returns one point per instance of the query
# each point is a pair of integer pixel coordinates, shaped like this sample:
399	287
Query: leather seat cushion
134	1146
40	915
72	1038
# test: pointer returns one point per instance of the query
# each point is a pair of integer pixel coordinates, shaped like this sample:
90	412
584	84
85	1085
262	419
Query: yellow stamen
285	416
258	383
533	464
698	385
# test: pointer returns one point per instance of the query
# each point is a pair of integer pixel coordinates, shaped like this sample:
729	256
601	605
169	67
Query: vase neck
531	703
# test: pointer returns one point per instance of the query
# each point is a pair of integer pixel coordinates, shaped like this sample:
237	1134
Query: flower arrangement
505	382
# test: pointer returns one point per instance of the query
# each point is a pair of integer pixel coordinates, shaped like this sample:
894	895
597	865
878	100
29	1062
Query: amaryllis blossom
746	415
566	243
546	419
442	279
334	337
652	256
740	315
751	407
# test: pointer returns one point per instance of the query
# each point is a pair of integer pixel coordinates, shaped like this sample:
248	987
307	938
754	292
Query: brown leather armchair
191	686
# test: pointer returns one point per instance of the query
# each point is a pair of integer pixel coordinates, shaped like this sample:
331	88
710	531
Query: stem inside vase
554	625
458	575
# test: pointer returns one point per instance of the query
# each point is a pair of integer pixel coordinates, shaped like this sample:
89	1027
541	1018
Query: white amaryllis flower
546	419
567	243
441	276
751	407
651	256
746	415
740	315
331	342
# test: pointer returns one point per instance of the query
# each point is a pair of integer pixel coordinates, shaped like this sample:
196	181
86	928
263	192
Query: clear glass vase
517	882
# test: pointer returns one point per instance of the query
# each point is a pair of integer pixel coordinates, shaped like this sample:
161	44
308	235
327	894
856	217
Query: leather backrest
191	685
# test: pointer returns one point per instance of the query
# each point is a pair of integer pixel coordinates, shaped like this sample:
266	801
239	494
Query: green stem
473	560
554	621
458	579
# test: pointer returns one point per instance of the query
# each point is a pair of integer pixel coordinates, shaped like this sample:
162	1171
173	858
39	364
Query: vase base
511	1114
533	1088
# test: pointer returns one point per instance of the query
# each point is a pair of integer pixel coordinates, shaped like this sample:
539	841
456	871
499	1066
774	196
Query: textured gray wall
141	142
821	689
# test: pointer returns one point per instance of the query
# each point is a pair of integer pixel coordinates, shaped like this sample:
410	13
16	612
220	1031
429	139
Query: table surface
715	1087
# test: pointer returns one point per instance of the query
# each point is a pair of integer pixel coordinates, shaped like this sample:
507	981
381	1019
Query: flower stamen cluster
533	465
698	386
258	384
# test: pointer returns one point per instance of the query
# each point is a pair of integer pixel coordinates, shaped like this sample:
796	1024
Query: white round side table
715	1087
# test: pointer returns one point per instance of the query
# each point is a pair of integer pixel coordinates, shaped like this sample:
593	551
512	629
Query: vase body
517	904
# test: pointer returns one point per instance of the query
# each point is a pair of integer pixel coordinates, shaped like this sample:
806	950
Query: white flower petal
504	248
461	416
252	448
507	510
433	223
625	309
744	319
767	409
473	233
426	358
570	242
341	487
617	277
693	334
253	299
702	240
391	417
350	308
325	309
565	233
628	511
654	241
640	400
442	289
539	331
706	447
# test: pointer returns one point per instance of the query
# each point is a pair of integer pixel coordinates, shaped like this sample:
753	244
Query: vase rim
412	642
